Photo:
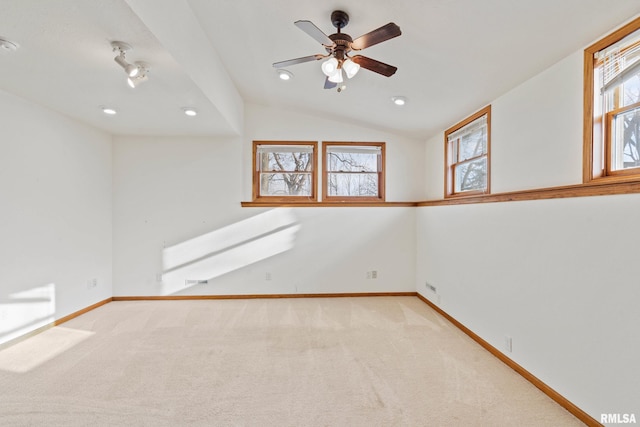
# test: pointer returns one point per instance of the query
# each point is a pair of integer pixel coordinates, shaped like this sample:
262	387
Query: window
353	171
467	147
612	118
284	171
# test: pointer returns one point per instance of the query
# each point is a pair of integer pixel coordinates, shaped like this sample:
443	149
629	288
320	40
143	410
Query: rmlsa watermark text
618	418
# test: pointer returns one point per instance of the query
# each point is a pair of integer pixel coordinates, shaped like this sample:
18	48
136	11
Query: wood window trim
280	200
449	185
608	144
598	148
381	174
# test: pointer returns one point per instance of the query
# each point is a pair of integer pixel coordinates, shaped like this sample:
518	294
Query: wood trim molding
276	199
449	186
345	204
81	312
594	147
52	324
263	296
554	395
601	187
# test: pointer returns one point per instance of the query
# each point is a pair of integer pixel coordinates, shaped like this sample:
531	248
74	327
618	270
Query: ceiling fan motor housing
342	45
339	19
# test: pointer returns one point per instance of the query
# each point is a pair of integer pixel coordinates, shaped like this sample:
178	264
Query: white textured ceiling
453	57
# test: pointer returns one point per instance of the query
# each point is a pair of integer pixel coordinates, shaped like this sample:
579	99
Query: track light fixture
136	72
140	76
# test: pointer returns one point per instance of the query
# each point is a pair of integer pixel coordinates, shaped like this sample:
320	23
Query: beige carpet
370	361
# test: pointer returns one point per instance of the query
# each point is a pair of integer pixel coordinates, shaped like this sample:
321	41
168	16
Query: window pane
473	144
626	140
471	175
292	161
631	90
352	184
285	184
352	162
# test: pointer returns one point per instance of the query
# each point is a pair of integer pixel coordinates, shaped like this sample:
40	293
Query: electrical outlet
267	276
374	274
508	344
158	277
431	287
92	283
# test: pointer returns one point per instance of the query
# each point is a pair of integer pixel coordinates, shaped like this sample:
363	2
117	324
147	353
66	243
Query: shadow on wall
26	311
227	249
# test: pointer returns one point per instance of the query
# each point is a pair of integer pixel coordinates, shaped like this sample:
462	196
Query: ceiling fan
340	45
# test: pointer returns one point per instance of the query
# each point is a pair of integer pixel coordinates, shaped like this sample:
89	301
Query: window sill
313	204
600	187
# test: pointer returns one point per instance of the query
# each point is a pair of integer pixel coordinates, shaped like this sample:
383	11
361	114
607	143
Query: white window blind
474	126
357	149
620	61
284	149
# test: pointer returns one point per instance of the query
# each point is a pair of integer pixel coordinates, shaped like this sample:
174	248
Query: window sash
623	155
280	188
292	177
353	184
263	160
467	155
366	165
461	182
353	171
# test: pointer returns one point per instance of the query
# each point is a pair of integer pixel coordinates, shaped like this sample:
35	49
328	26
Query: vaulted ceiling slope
453	57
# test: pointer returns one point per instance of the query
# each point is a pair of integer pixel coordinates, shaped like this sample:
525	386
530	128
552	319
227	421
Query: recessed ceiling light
190	111
399	100
285	74
108	110
7	46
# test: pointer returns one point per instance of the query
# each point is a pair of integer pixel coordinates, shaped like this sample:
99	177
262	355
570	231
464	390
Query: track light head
136	72
142	68
131	70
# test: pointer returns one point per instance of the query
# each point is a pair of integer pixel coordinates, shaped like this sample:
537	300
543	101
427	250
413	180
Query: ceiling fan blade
375	66
315	32
328	84
309	58
379	35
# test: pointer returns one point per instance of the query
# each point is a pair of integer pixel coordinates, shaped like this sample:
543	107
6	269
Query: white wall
55	216
177	217
404	156
558	276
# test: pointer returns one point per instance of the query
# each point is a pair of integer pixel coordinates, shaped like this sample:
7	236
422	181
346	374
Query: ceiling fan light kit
339	46
136	72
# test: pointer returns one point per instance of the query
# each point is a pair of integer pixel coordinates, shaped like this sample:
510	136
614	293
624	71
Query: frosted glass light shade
336	77
350	68
329	66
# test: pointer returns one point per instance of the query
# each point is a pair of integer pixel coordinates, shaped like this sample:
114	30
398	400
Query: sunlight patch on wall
229	248
25	311
29	354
